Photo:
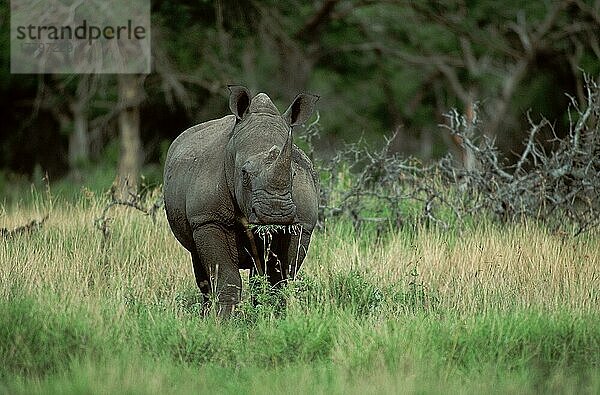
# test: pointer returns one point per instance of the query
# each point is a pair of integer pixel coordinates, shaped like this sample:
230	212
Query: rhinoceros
225	178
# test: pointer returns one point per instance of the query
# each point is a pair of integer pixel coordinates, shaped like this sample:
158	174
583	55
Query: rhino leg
287	252
277	271
285	256
202	279
297	250
216	249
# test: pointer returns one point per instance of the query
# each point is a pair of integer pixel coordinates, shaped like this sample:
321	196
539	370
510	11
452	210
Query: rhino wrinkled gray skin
225	175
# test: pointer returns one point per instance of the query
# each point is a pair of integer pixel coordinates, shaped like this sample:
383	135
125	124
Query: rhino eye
246	182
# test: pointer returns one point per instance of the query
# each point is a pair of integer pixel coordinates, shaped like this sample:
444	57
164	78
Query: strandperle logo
92	36
81	32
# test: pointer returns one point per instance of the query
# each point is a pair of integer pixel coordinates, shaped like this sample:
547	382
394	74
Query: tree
130	97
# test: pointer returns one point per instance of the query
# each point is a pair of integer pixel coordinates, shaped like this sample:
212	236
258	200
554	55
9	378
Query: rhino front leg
297	252
215	245
202	280
284	257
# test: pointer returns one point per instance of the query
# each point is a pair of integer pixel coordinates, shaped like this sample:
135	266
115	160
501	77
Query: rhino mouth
269	230
272	210
287	218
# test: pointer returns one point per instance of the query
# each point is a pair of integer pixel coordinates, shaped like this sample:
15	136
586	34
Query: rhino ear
239	100
301	109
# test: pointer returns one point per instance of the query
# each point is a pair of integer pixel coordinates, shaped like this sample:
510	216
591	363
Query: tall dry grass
488	308
484	268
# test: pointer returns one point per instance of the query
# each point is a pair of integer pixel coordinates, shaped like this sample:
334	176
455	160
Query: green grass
489	310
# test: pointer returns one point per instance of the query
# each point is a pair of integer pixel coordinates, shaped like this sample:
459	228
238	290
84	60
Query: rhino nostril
253	218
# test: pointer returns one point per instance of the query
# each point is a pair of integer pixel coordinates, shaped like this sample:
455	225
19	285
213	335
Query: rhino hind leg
215	246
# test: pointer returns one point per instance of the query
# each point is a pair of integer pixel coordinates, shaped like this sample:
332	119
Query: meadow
485	309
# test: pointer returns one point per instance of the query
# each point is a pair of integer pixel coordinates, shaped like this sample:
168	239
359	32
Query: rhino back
195	187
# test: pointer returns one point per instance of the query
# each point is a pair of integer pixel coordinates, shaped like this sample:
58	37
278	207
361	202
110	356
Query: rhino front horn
282	167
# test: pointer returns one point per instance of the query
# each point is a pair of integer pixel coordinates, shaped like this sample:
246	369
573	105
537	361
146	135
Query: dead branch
29	227
134	201
560	187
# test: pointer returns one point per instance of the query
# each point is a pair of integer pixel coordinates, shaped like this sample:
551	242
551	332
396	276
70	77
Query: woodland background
382	68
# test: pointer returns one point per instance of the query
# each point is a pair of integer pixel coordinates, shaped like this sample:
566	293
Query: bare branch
560	188
27	228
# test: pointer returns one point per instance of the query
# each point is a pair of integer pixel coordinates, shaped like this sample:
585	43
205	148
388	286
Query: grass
490	309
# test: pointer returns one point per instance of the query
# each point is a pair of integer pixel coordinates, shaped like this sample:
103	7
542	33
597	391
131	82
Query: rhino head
259	168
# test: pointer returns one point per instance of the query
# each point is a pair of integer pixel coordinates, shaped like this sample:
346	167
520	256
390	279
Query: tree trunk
468	159
79	151
129	132
512	81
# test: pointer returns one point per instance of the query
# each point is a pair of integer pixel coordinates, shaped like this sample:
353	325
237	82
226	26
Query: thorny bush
559	186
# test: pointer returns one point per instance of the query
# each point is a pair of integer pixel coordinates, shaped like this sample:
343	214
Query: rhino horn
282	167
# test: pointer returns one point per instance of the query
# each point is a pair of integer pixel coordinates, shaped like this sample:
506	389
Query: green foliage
34	342
48	351
353	291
